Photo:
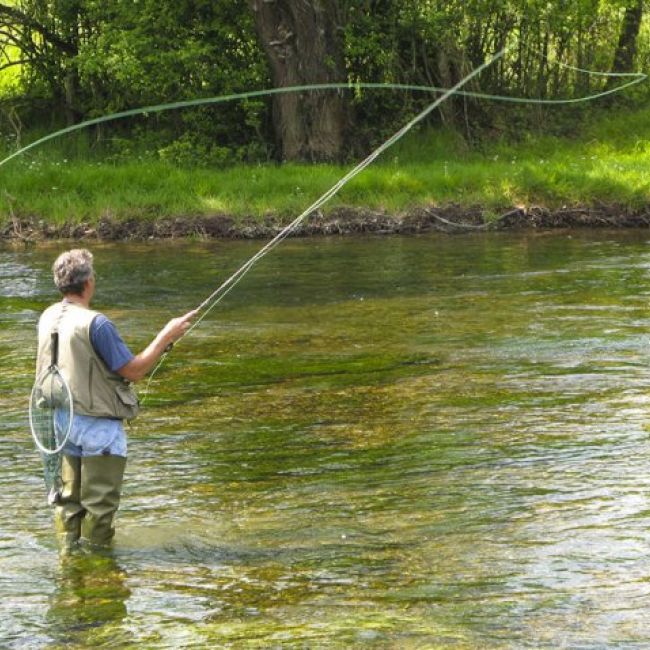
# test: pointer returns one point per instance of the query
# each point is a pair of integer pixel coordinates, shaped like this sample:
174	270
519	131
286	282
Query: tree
70	60
302	43
47	45
626	47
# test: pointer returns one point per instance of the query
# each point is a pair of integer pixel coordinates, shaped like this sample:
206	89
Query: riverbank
432	180
342	221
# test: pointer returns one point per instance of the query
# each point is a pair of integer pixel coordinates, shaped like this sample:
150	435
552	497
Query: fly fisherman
99	368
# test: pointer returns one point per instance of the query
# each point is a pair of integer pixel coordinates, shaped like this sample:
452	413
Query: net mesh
50	418
52	476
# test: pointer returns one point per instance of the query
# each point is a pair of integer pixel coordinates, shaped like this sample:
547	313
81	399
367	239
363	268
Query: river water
397	442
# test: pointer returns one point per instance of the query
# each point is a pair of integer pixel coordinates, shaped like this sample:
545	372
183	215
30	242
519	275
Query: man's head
72	270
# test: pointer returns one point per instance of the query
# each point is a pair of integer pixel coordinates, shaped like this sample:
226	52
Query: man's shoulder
108	343
100	320
103	326
54	307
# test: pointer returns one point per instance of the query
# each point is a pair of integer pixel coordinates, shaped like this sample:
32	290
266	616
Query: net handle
54	348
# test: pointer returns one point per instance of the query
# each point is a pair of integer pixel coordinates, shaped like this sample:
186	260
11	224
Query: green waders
69	512
101	485
90	498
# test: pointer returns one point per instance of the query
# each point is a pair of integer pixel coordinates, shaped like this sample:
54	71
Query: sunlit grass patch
607	162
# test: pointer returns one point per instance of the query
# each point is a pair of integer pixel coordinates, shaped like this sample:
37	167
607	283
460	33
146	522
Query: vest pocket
129	400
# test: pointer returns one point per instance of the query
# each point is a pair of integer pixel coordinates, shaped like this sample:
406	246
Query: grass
607	162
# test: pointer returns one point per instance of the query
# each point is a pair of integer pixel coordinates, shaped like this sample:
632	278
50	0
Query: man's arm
143	362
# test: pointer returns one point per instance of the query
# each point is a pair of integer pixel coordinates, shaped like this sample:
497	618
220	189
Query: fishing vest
96	390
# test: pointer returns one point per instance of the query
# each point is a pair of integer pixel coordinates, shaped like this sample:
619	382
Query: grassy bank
608	162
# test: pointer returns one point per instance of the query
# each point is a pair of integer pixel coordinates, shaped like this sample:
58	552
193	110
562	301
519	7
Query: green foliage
187	152
95	58
125	54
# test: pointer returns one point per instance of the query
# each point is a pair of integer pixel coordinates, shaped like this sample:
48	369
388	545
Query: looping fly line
635	78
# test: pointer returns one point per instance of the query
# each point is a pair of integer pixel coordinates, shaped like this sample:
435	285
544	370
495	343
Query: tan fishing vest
95	389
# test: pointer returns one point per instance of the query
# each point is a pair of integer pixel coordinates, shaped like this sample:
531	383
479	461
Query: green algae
428	442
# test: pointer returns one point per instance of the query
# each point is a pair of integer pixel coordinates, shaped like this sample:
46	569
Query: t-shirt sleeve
108	343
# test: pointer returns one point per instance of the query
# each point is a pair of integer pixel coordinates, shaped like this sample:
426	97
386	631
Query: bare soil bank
451	218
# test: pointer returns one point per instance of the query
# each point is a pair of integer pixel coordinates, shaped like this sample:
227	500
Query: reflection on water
90	593
373	442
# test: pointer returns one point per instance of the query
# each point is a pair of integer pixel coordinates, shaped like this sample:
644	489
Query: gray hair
72	269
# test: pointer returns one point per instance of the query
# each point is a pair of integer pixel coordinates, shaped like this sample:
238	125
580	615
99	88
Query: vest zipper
90	383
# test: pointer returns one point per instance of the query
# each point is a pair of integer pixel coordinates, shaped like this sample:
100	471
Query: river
374	442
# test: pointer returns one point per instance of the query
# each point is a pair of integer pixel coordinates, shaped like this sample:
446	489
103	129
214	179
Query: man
99	368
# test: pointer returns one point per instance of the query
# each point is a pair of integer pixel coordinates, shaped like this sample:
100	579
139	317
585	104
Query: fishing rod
229	284
207	305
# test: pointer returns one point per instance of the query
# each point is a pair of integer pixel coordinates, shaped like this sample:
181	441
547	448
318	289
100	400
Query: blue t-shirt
108	343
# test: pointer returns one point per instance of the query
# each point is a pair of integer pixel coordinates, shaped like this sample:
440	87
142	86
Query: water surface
408	442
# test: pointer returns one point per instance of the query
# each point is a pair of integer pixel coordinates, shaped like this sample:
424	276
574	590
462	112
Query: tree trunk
303	47
70	18
71	85
447	77
626	48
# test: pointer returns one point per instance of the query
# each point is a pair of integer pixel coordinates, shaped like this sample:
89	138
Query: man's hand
142	363
176	328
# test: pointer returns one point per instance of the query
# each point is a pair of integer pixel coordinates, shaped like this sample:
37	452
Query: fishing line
216	296
636	77
228	285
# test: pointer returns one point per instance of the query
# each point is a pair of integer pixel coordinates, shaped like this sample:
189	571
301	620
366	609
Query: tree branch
25	20
12	63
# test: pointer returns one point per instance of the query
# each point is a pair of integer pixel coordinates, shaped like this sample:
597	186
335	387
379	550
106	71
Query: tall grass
607	162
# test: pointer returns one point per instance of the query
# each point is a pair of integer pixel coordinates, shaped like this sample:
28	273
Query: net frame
46	415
